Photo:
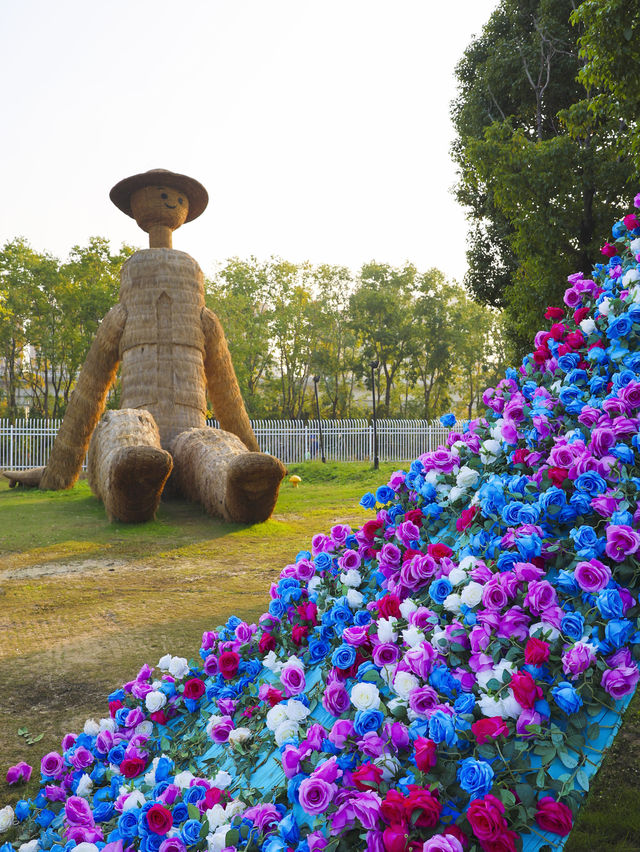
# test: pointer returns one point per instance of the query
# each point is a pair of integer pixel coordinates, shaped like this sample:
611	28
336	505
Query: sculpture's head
160	201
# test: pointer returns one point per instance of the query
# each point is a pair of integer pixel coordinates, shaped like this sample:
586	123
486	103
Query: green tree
540	176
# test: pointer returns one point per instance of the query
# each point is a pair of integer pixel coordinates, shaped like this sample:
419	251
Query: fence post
11	446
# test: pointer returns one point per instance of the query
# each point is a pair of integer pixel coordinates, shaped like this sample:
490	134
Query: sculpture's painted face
159	205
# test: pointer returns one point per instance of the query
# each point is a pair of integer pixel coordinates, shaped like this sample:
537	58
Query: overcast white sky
320	129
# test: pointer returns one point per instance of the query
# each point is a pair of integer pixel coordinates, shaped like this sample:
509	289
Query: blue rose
619	230
22	809
552	500
567	582
621	517
103	811
180	813
439	590
609	603
568	362
322	561
277	608
448	420
318	649
529	546
128	823
190	832
289	830
507	560
476	777
384	494
428	491
586	542
591	482
572	625
194	794
465	703
362	617
511	513
618	632
443	681
46	817
368	501
366	721
343	656
293	787
441	728
619	326
116	754
566	697
581	502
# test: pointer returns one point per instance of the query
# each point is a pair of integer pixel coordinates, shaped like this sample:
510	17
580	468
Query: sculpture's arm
86	404
222	383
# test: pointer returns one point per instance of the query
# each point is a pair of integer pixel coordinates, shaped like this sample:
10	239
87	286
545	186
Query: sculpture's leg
127	467
215	468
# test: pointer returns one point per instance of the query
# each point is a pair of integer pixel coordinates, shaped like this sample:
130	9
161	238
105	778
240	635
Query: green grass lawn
84	603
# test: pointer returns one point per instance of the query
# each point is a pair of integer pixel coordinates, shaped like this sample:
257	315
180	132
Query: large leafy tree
539	174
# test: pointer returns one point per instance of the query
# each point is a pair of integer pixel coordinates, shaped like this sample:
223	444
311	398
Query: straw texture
29	478
127	468
86	404
222	383
213	467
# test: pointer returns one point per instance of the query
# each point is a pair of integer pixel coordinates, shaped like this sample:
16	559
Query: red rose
299	633
557	331
488	729
458	833
371	529
415	516
438	550
541	355
159	819
608	250
520	455
420	799
212	797
426	754
486	818
505	842
266	643
114	706
575	340
367	777
159	717
392	808
525	690
308	612
410	553
553	313
554	816
388	606
580	314
557	475
630	221
194	688
228	663
395	838
131	767
536	652
466	518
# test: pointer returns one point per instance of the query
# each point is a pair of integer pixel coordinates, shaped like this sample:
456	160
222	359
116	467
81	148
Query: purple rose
622	541
20	772
221	730
335	699
349	560
385	654
514	623
422	700
366	806
397	734
290	761
54	794
342	730
81	758
315	795
78	811
317	841
577	659
494	596
620	681
371	744
52	765
540	596
264	816
356	636
293	679
421	659
170	844
592	576
407	532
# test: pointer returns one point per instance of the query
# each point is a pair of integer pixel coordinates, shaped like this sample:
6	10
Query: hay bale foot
137	477
29	478
253	482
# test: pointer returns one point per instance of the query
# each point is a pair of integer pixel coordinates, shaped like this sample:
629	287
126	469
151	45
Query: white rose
287	730
443	488
296	710
222	779
387	673
439	641
354	599
412	636
179	667
164	663
276	716
407	606
634	245
431	477
386	632
543	630
452	603
32	846
239	735
314	584
630	276
235	806
455	493
456	576
365	696
467	563
217	842
509	707
467	477
91	727
135	799
85	785
184	779
471	595
390	766
108	725
80	847
404	683
489	705
351	578
605	306
272	663
155	701
490	450
145	728
588	325
215	816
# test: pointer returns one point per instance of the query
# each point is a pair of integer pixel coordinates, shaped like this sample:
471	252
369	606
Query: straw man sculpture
171	349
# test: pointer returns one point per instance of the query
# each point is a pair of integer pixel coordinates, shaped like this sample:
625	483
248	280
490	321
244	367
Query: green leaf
525	794
194	813
582	779
568	760
493	685
507	798
232	837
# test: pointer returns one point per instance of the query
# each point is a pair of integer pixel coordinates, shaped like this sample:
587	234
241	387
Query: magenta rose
577	659
335	699
620	681
622	541
315	795
592	576
293	679
18	773
78	811
554	816
52	765
486	817
159	819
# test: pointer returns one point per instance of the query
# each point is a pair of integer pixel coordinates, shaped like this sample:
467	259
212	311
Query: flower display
444	678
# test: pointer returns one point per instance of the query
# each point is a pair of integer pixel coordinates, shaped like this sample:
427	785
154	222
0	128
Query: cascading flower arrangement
443	679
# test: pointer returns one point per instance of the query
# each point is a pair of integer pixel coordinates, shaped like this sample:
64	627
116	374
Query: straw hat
195	192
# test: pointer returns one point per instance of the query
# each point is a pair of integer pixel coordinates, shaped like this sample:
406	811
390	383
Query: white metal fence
27	443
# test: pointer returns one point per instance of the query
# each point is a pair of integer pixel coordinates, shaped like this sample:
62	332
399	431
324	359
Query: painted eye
179	201
163	195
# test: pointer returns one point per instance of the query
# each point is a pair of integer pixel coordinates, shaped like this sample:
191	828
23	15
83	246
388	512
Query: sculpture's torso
162	348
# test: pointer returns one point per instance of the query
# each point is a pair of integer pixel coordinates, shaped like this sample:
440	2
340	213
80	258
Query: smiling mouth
170	206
